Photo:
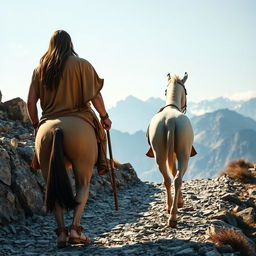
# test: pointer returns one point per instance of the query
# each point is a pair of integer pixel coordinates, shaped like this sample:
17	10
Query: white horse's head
176	92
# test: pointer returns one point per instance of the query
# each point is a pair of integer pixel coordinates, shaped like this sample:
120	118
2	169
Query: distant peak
224	111
149	100
153	99
131	97
243	96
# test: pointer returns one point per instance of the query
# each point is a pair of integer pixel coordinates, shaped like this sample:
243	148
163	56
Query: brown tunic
78	85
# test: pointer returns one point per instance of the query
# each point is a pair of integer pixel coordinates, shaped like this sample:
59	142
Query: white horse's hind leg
182	167
167	182
173	169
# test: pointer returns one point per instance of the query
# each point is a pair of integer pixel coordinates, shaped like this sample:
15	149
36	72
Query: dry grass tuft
238	170
246	224
234	238
116	162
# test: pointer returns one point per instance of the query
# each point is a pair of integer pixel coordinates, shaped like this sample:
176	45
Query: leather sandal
80	239
58	231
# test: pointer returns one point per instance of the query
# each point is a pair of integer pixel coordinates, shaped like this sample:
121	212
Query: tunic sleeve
35	82
91	83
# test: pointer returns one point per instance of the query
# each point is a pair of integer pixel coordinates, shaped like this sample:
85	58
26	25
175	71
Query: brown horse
171	137
61	143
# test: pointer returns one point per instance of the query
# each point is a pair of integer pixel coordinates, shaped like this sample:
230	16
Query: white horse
171	137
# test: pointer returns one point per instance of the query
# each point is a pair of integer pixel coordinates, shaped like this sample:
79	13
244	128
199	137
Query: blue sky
134	44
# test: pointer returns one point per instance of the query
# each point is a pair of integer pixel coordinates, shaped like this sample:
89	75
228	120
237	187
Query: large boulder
10	208
5	170
28	191
17	110
21	191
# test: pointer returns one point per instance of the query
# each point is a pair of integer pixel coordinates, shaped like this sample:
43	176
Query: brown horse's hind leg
83	177
58	210
80	146
59	217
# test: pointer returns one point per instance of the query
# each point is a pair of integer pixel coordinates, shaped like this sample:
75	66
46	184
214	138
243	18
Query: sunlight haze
134	44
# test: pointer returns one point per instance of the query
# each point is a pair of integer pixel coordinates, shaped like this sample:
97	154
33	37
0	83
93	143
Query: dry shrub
119	165
234	238
115	162
246	224
238	170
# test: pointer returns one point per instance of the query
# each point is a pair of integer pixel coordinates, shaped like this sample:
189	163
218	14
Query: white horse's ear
168	76
184	79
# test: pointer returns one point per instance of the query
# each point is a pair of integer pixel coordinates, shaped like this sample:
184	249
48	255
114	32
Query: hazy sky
133	44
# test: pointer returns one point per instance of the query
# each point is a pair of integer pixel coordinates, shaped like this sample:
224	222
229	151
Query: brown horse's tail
59	188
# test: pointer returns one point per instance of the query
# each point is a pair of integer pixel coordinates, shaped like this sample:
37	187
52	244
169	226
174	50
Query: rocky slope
21	187
138	228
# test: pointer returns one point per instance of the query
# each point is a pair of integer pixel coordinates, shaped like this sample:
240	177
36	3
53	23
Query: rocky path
138	228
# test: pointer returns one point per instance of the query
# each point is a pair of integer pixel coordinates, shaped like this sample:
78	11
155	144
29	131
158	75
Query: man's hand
106	124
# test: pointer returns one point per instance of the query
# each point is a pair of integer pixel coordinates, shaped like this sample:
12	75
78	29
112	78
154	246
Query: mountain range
133	114
220	135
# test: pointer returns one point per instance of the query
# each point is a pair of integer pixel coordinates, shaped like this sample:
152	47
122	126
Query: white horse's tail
170	144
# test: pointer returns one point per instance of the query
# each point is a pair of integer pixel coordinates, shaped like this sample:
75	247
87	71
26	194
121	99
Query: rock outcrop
14	109
21	187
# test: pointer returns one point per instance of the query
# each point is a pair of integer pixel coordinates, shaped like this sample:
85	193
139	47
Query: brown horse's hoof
172	223
62	231
62	244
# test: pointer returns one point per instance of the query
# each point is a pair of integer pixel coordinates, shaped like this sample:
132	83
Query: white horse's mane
175	78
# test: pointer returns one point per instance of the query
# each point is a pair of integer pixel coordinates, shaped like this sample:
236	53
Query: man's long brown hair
53	61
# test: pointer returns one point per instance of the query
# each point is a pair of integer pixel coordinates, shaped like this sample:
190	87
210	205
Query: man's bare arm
31	106
99	105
